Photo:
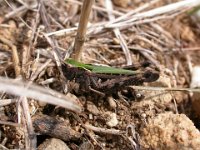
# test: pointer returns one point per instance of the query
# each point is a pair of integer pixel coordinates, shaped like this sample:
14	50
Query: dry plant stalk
19	88
194	90
80	37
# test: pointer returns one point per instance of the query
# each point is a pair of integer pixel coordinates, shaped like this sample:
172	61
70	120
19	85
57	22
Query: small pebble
52	144
143	115
90	116
112	119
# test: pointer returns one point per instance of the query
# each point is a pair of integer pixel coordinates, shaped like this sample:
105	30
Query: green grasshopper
105	79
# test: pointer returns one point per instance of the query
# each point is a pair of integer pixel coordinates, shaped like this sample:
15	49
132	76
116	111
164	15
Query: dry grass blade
118	34
168	9
36	92
126	20
125	16
51	40
166	89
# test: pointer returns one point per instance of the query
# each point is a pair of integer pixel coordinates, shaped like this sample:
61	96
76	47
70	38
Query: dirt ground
134	118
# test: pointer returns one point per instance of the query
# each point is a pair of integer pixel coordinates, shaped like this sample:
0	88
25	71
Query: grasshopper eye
138	95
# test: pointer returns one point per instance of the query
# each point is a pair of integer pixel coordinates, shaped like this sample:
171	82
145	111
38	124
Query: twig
174	7
125	16
80	37
103	130
55	127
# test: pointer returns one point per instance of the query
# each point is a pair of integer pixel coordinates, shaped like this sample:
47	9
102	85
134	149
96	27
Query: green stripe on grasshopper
101	69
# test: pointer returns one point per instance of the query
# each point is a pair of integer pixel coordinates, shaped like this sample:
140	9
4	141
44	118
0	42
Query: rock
111	119
112	103
170	131
53	144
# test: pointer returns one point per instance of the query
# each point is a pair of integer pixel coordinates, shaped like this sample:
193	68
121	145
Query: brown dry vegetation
35	36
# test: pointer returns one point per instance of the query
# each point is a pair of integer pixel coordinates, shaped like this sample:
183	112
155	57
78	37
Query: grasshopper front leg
95	85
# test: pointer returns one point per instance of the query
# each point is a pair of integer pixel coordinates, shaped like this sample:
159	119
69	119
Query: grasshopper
105	79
